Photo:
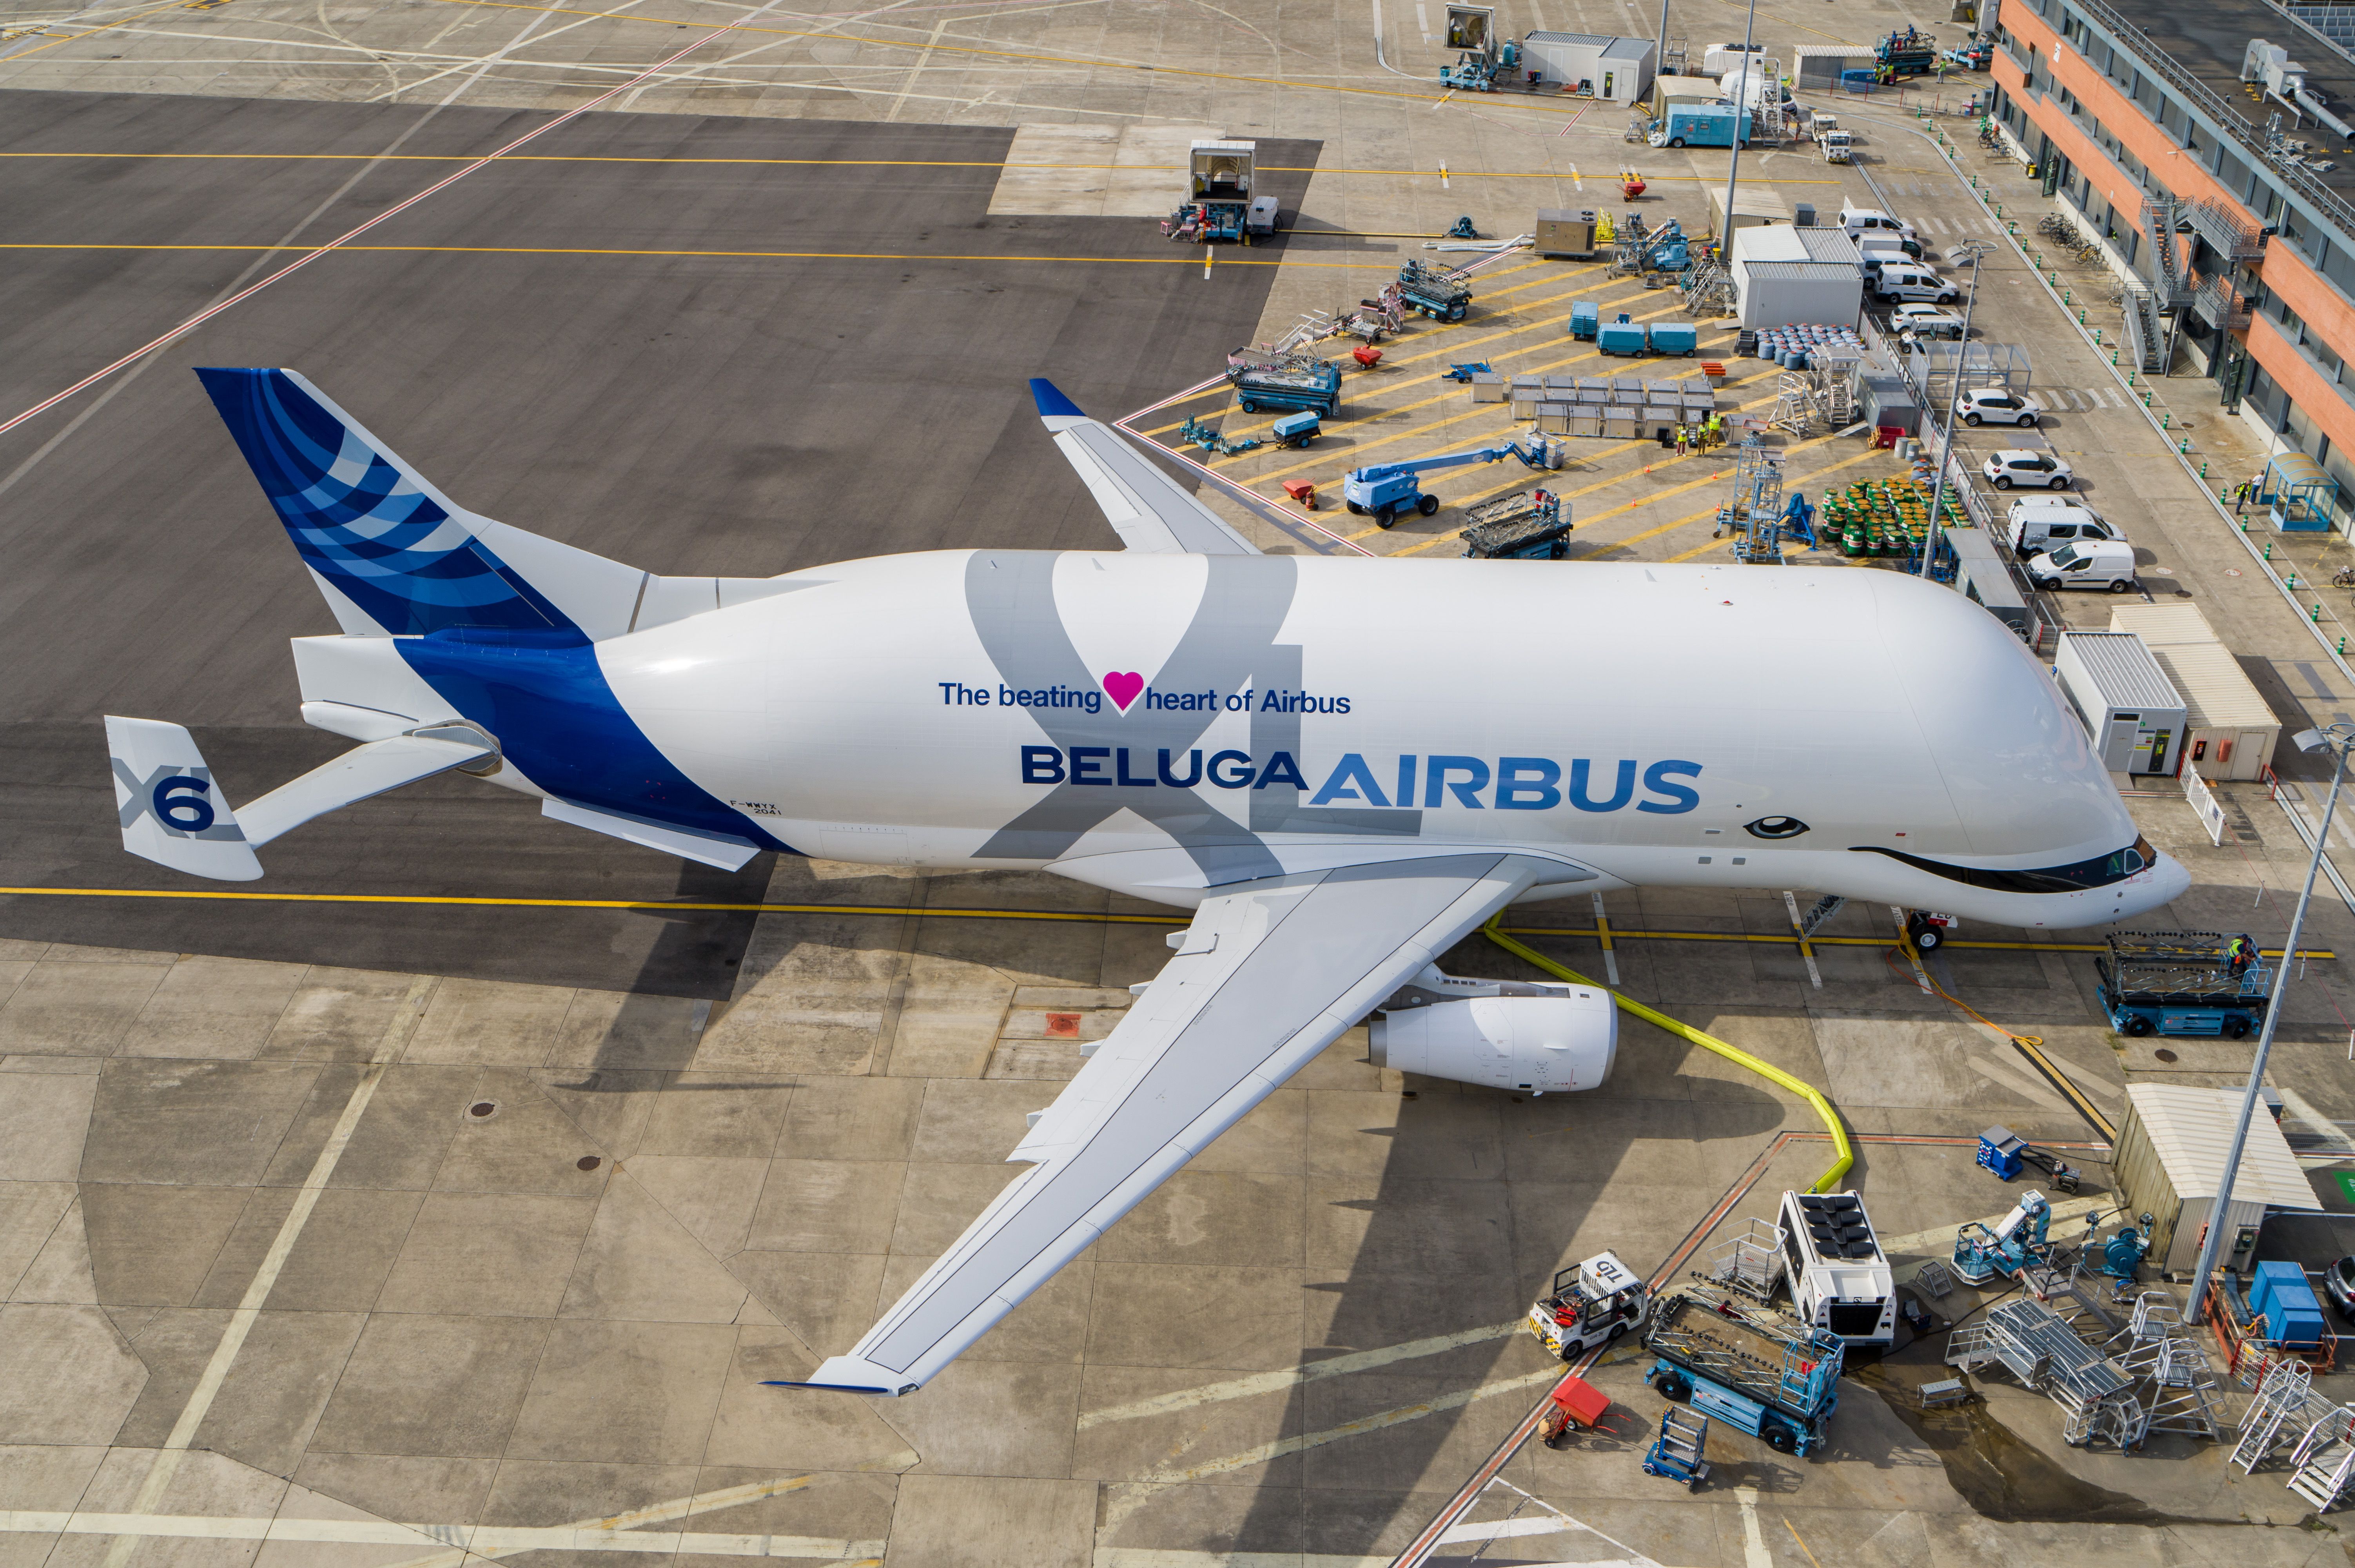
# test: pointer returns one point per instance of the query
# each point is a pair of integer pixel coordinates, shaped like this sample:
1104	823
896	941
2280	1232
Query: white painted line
482	1540
166	1463
472	1540
1501	1528
917	69
1273	1382
1422	20
1754	1540
1263	1453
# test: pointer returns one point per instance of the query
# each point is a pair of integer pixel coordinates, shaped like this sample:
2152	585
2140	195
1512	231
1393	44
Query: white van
1879	245
1912	280
1855	220
2086	563
2041	523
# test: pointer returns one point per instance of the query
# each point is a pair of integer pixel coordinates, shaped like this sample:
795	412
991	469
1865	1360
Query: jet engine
1500	1033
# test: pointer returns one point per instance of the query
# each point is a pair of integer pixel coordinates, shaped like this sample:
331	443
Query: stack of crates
2279	1294
1884	517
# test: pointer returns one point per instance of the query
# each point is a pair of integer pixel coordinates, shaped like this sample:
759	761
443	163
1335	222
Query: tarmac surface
421	1233
762	395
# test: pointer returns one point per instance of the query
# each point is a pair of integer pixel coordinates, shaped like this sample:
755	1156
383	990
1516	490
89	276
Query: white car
1926	320
1993	405
2042	469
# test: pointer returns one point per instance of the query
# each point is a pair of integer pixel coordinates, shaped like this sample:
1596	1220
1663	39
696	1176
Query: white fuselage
1708	727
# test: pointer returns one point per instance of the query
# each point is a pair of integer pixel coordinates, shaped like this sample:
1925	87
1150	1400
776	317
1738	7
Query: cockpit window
2099	872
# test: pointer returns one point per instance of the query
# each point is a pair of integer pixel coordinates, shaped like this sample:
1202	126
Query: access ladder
2325	1460
2288	1385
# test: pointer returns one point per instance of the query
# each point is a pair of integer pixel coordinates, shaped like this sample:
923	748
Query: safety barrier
1733	1054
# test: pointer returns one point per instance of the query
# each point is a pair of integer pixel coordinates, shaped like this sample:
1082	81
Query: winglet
1052	404
852	1374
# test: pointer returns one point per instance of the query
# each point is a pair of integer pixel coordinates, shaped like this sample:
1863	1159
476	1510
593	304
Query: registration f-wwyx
1341	767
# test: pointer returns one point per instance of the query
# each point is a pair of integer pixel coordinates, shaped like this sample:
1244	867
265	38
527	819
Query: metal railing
2225	233
2158	217
2327	204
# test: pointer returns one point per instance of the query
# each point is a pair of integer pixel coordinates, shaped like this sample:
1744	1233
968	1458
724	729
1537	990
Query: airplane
1341	767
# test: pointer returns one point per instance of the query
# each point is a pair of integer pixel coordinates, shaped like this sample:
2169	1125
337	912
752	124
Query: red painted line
314	254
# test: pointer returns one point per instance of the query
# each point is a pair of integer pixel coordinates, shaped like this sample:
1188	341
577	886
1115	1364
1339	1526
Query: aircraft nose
2170	880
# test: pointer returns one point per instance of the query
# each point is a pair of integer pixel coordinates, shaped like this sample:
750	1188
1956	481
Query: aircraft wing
1148	509
1269	974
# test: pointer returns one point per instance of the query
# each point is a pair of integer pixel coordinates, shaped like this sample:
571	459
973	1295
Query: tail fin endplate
172	813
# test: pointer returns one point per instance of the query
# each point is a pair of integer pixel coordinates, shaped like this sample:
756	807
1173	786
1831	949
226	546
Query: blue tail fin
392	553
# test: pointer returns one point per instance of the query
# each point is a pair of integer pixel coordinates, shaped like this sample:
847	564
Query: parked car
2041	523
2088	563
1912	281
2017	466
1993	405
1927	320
2339	1284
1855	220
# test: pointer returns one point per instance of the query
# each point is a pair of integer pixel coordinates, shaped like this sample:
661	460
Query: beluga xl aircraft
1342	767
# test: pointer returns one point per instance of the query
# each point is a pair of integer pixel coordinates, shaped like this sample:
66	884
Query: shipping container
1784	275
2230	732
2127	705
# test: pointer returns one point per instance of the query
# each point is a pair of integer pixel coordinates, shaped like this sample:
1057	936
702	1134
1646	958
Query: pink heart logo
1123	686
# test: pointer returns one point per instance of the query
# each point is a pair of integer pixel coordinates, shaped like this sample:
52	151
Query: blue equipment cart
1623	336
1439	293
1466	371
1746	1365
1583	320
1290	382
1297	430
1676	1451
1675	337
2183	982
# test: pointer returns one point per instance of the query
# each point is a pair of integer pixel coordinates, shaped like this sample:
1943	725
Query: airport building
2211	145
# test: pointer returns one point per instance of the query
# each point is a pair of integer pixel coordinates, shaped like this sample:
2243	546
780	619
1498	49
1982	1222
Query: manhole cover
589	1162
1062	1026
2165	1055
482	1110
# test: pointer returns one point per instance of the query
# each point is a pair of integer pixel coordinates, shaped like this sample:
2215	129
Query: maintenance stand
2183	983
1746	1365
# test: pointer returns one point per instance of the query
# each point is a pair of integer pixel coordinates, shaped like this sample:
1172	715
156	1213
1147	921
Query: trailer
1746	1365
1700	125
1908	53
1584	320
1623	336
1526	526
1439	293
1283	382
2183	983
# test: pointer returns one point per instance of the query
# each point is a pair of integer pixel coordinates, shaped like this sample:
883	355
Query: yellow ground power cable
1733	1054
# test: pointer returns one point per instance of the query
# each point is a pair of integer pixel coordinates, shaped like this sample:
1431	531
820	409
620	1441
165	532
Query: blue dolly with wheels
1684	1437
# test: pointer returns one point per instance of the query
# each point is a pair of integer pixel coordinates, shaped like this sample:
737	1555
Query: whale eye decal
1775	827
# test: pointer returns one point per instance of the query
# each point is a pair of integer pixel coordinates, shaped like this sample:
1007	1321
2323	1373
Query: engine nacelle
1544	1039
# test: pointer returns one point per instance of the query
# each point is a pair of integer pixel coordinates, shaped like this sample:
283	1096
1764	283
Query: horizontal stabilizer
359	773
711	849
171	811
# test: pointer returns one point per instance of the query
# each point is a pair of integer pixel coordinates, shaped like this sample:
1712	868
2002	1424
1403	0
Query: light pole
1741	117
1973	251
1660	54
2337	740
